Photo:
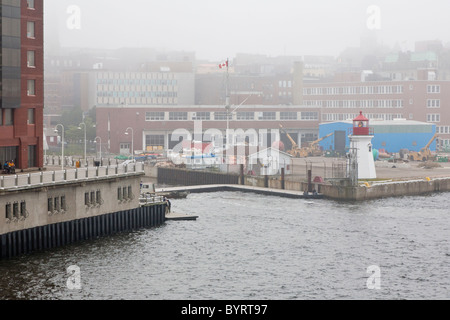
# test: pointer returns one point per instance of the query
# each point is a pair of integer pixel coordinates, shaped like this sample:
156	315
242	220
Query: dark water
248	246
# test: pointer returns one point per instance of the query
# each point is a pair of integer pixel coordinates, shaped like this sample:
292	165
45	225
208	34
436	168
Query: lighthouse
361	142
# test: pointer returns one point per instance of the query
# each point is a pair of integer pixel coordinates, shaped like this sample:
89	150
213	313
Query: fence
50	177
174	176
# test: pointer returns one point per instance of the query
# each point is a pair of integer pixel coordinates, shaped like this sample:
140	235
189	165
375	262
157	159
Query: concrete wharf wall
72	205
374	190
65	233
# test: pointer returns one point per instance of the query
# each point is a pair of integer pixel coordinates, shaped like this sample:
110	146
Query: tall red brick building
22	82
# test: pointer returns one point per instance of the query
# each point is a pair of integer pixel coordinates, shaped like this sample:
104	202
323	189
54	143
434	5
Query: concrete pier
64	233
241	188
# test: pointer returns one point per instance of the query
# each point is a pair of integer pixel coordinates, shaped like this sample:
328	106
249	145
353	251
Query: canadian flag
223	65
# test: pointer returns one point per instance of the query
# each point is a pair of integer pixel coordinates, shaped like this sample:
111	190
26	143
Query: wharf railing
68	175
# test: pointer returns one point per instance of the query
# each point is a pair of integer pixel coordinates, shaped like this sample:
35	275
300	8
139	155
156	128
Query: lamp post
227	108
62	144
132	140
100	142
79	127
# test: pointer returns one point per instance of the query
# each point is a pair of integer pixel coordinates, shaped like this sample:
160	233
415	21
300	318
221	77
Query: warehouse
391	136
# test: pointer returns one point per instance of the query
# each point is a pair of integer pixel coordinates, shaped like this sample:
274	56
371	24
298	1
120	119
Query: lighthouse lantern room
361	141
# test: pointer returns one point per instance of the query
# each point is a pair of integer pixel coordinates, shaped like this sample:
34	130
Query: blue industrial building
392	136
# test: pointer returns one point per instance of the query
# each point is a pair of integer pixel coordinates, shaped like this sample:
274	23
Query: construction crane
295	151
424	154
309	151
313	149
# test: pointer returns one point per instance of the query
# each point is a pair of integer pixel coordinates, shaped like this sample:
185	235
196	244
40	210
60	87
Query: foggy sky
215	30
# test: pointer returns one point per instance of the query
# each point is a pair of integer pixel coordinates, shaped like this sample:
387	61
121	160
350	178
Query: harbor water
249	247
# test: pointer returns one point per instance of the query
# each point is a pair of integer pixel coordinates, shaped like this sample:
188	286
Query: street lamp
227	108
100	142
62	144
79	127
132	140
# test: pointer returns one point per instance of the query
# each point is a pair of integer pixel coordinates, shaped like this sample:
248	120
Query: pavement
323	167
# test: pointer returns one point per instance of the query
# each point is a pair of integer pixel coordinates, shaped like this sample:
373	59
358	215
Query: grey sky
219	29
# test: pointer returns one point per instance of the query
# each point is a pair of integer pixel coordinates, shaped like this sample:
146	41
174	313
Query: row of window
131	76
348	116
396	103
137	82
242	116
16	211
138	94
354	90
443	129
7	117
138	101
435	117
385	89
93	199
56	205
125	193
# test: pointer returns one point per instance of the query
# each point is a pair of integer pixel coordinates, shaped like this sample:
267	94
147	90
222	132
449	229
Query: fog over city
215	30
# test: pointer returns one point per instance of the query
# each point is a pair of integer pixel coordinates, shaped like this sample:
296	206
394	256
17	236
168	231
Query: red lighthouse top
361	125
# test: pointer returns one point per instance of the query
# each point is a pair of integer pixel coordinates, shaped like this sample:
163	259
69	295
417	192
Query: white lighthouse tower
361	142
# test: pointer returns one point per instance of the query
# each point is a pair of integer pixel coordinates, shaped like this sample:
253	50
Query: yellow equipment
424	154
313	149
310	151
295	151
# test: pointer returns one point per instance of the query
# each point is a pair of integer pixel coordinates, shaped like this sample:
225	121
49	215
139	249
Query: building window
173	116
433	89
31	87
201	116
154	142
31	61
119	194
433	117
154	116
8	211
30	4
245	116
30	30
31	117
93	197
130	192
86	199
309	116
16	212
50	205
63	203
99	197
267	116
9	117
288	115
433	103
222	115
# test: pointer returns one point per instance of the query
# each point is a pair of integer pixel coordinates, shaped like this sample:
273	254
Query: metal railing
150	198
68	175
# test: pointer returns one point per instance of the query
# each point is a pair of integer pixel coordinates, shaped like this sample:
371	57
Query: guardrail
69	175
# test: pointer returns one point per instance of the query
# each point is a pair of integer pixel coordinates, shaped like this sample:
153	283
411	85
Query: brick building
22	96
419	100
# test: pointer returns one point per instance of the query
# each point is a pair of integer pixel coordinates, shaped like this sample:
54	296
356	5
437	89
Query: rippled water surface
249	246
